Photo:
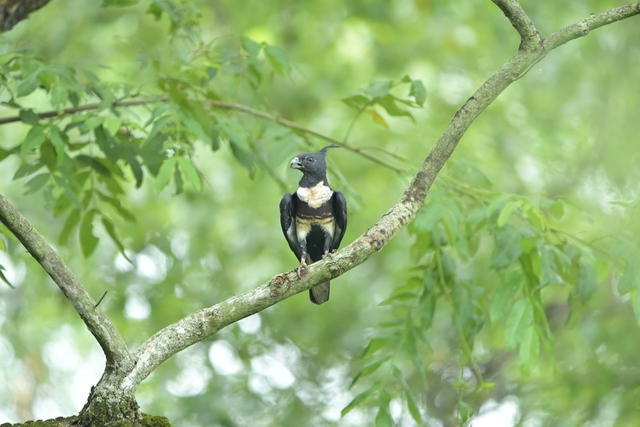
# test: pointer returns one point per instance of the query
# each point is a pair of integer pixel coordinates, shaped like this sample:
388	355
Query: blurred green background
541	198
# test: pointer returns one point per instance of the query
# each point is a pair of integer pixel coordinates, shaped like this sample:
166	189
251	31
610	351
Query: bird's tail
319	293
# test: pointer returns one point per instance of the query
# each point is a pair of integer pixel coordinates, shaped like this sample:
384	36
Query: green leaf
277	57
177	179
548	266
27	86
504	295
635	304
48	155
399	297
529	345
557	209
94	163
359	399
88	241
34	138
115	203
408	397
4	278
190	173
587	279
119	3
134	164
27	169
507	247
519	319
388	102
357	102
111	231
465	412
4	153
378	89
428	217
166	172
36	183
107	144
70	223
374	345
383	418
59	96
58	143
368	369
507	211
418	91
250	46
533	214
197	129
630	279
28	116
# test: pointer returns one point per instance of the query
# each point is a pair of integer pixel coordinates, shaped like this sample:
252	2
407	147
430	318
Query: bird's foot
300	269
327	253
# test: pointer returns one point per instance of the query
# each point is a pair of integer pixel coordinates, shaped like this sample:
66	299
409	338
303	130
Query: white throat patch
315	196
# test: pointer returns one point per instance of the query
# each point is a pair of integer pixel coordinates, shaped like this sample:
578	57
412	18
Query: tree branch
201	324
113	345
593	22
85	107
14	11
529	35
218	104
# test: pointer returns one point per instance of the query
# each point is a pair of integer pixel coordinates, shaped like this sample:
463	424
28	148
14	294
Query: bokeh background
563	139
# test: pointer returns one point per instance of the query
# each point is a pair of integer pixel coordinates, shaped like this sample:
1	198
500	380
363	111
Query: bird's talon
300	269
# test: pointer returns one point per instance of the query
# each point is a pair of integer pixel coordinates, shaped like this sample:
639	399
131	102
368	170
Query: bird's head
312	164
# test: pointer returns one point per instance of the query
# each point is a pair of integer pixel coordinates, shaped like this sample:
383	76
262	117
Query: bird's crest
324	150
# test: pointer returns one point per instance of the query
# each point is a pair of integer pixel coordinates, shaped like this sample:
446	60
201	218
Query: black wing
340	215
288	206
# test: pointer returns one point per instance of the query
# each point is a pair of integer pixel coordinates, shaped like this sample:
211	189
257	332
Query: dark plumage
314	218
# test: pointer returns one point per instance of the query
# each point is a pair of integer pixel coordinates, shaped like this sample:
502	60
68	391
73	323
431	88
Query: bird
314	217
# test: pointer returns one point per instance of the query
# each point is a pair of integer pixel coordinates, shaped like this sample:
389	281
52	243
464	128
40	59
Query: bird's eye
311	159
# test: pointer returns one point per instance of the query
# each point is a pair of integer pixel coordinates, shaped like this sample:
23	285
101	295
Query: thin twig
100	300
85	107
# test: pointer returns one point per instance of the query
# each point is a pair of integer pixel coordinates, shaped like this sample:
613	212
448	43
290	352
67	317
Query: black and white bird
314	218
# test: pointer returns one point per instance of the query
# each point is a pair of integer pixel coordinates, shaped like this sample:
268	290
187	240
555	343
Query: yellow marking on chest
315	196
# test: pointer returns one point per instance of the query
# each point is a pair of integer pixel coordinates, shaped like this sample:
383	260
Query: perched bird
314	218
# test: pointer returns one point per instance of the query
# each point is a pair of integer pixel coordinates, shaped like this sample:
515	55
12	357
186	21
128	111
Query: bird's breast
315	196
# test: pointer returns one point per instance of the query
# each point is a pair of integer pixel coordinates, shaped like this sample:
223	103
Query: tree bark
14	11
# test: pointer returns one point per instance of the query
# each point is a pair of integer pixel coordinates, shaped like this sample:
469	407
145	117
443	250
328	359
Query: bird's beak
295	163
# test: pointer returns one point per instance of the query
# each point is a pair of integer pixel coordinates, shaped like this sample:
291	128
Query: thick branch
529	35
201	324
114	347
218	104
14	11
